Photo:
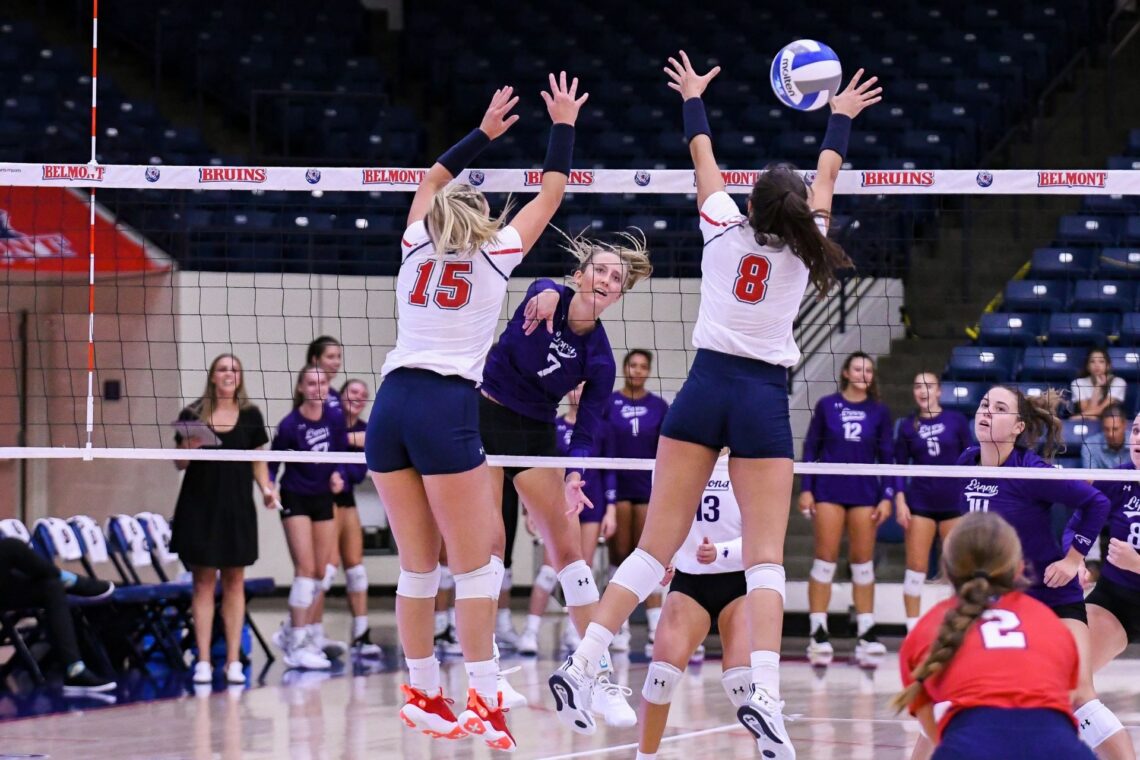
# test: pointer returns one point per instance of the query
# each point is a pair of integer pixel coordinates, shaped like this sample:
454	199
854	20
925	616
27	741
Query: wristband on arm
695	118
560	149
838	134
459	156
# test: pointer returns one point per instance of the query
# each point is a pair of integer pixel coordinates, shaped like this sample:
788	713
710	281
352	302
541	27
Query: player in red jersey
988	672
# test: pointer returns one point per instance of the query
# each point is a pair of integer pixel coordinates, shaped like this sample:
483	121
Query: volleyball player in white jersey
708	586
755	269
422	444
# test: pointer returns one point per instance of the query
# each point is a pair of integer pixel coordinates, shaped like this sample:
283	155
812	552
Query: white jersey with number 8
448	307
750	293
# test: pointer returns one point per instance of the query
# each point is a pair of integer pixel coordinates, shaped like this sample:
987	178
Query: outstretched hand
856	96
685	79
562	102
498	118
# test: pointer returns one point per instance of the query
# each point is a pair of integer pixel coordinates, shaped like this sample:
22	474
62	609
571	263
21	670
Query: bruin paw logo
153	174
313	176
641	178
476	178
985	179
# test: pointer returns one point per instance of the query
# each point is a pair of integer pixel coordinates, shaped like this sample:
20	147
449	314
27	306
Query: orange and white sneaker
487	722
430	715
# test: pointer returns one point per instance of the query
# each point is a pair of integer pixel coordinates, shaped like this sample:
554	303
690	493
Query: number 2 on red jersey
752	278
453	291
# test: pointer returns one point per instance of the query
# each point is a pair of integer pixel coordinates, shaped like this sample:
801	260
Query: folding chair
10	632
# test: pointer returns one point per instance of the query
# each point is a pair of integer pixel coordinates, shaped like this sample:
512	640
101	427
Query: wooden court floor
345	716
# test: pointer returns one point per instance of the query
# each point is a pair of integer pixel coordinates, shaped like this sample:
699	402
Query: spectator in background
215	521
1097	387
1105	450
327	354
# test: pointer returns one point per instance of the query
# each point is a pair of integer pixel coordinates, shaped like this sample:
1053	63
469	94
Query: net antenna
91	233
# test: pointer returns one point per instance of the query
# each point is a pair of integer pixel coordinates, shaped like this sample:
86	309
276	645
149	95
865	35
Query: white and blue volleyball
805	74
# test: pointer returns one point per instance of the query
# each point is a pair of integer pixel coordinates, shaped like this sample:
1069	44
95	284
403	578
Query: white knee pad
356	579
767	576
546	578
302	592
822	571
508	581
418	585
640	573
500	574
737	684
863	573
913	582
660	682
1097	723
578	584
330	576
481	583
446	579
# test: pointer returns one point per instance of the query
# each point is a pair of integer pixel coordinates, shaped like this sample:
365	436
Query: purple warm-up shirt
296	433
635	426
842	431
939	440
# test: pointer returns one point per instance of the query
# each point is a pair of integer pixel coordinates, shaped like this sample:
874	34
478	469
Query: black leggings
27	580
510	518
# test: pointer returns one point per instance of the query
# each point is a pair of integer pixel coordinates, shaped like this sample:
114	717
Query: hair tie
982	574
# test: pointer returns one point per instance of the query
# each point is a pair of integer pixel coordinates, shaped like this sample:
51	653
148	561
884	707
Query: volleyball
805	74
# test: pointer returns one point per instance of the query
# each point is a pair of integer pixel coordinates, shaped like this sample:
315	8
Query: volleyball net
113	316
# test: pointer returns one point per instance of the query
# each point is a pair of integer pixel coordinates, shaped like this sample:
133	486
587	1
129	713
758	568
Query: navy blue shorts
736	402
424	420
1006	734
937	517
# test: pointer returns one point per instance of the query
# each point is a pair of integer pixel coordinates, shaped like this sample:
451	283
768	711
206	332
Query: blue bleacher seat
1011	329
1103	295
1119	263
1131	231
981	363
1077	431
1035	389
1134	142
1124	162
1086	229
1056	363
1068	263
1125	361
1035	295
1109	204
962	396
1130	329
1081	328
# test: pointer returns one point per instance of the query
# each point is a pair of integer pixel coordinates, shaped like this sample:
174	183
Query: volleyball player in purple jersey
1008	425
926	507
327	353
307	509
635	416
854	427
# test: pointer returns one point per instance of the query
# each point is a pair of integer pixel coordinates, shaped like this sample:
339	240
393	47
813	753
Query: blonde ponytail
459	222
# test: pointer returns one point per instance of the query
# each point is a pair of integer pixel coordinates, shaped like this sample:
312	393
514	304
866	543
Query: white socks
533	623
359	626
864	622
817	620
423	674
483	677
911	623
766	672
594	646
440	623
652	616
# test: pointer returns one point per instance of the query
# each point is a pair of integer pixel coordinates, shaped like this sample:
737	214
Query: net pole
91	235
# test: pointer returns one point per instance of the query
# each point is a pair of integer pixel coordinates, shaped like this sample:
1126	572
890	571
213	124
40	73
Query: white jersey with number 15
750	293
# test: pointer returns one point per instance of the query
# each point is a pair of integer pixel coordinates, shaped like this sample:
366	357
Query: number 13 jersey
717	518
750	293
448	306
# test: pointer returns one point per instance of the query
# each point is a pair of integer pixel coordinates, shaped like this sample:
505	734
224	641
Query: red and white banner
387	179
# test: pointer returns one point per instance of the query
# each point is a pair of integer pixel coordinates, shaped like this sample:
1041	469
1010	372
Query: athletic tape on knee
822	571
737	684
863	573
330	576
1097	723
660	682
640	573
418	585
302	592
508	581
481	583
767	575
356	579
446	579
546	578
578	584
500	571
913	581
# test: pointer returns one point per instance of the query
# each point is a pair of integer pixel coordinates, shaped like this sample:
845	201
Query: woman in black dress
215	524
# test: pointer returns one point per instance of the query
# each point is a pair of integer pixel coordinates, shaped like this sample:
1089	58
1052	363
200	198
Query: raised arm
844	107
691	85
563	104
496	121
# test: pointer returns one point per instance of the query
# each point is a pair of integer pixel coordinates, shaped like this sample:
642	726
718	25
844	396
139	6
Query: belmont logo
579	177
231	174
898	178
393	176
1071	179
739	178
81	172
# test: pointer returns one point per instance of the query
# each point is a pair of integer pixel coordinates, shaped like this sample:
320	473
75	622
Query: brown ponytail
780	215
1039	413
982	558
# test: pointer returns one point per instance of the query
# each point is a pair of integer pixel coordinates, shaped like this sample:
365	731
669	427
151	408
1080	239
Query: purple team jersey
938	440
842	431
599	483
355	474
1123	523
1025	504
296	433
531	374
635	426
